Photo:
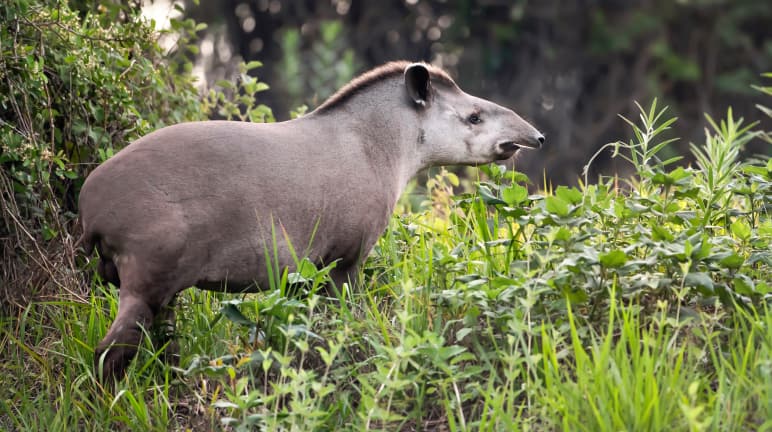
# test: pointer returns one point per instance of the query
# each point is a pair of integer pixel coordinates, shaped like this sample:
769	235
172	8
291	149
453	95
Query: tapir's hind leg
119	346
144	295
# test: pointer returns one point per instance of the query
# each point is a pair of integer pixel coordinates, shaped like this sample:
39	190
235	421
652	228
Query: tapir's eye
474	118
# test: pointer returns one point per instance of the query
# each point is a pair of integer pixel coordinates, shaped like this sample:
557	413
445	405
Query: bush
74	88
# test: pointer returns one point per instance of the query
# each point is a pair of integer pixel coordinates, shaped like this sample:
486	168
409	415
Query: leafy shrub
75	87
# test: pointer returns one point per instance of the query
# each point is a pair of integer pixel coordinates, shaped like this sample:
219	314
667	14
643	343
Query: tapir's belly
255	258
229	287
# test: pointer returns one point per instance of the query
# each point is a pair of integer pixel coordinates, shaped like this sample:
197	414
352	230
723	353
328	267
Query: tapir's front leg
341	275
164	333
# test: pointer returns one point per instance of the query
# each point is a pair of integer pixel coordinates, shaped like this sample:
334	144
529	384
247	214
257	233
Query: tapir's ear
418	83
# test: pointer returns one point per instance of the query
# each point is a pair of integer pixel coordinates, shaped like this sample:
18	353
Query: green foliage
641	307
76	87
591	309
73	90
239	101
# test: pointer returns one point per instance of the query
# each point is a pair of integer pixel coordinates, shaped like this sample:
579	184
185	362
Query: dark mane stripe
388	70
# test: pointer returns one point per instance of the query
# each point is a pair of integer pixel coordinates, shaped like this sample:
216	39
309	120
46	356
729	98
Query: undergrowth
624	304
599	308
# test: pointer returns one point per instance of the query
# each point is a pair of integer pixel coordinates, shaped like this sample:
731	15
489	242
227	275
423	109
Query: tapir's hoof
111	363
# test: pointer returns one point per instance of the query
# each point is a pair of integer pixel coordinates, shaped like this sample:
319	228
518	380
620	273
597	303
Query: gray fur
199	204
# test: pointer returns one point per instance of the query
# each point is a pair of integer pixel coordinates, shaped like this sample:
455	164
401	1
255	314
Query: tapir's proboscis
210	204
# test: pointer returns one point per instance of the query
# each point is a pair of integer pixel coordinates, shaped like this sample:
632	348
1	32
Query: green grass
590	309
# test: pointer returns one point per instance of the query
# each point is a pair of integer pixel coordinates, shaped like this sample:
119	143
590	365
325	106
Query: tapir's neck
381	128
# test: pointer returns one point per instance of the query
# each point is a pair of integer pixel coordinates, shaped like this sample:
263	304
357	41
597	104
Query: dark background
570	67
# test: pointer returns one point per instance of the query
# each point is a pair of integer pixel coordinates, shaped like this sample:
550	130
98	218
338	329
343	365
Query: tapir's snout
529	141
521	133
533	141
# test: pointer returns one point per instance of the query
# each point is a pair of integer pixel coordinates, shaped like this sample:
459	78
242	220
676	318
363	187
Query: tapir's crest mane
388	70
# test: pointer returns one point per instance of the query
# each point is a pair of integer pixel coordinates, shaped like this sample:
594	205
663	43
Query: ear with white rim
418	83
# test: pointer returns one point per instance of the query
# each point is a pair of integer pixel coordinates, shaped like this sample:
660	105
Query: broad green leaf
732	261
518	177
514	194
741	229
613	259
253	64
660	233
763	288
556	205
743	285
487	196
569	195
701	281
452	178
562	234
461	334
765	228
576	296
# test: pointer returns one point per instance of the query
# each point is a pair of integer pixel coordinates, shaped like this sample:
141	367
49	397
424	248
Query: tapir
211	203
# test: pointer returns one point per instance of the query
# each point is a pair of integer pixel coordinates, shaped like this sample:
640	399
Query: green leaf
514	194
461	334
569	195
763	288
614	259
452	178
701	281
678	176
562	234
741	229
518	177
576	296
487	196
233	313
765	228
660	233
744	285
556	205
253	64
732	261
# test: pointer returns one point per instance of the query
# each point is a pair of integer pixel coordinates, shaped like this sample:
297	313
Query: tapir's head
458	128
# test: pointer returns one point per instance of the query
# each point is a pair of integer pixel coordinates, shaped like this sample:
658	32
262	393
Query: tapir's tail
106	268
86	240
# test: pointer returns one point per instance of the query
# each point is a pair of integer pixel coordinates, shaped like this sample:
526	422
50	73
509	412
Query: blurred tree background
568	66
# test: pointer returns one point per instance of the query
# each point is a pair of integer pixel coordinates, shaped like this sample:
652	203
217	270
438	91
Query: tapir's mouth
507	149
509	146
